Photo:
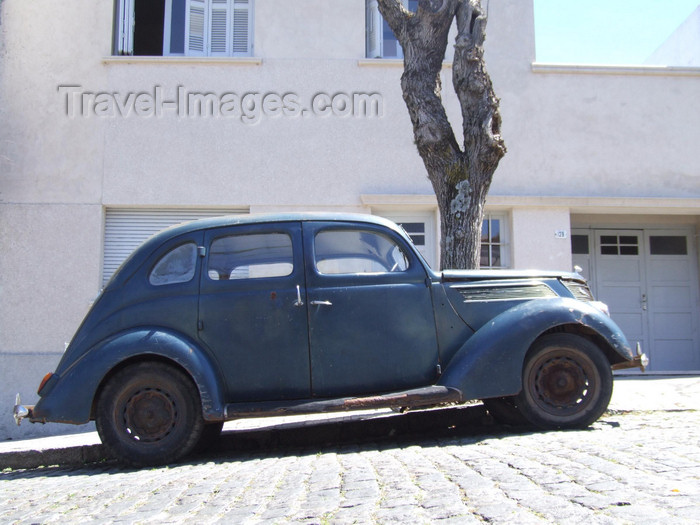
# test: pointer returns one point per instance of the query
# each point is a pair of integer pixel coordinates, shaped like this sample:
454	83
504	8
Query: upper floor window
381	41
184	27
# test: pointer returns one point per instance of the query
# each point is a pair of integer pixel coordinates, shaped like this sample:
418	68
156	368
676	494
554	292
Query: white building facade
120	117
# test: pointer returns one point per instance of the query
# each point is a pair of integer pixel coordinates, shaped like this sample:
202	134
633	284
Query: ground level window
493	252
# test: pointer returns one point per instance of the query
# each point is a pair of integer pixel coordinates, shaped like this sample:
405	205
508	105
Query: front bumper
640	361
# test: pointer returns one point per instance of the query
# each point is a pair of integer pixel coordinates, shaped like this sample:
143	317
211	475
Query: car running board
419	397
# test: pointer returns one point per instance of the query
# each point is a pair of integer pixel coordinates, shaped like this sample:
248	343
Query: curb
67	456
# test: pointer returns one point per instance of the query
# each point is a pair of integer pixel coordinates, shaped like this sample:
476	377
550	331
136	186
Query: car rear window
176	266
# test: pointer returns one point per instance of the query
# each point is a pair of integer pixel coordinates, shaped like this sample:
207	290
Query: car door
371	322
252	313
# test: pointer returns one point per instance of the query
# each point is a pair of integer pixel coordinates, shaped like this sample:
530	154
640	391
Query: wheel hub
561	383
149	415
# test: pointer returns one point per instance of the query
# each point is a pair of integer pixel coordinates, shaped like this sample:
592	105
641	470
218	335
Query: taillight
44	381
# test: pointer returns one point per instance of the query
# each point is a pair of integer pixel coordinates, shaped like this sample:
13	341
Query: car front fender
68	397
490	363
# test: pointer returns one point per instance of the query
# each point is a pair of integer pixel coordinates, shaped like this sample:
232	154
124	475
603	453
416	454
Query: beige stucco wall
601	133
548	231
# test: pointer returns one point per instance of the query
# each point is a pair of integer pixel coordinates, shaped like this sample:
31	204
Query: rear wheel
149	414
567	382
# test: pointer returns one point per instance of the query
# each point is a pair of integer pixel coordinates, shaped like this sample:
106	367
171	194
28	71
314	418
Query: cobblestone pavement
629	467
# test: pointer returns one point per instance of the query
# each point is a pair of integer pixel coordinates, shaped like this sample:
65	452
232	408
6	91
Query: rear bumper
20	412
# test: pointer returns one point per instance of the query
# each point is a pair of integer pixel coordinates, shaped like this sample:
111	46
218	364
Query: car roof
263	218
154	242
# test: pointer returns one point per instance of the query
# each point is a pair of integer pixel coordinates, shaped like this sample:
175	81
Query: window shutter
242	23
373	21
125	27
127	228
218	29
196	24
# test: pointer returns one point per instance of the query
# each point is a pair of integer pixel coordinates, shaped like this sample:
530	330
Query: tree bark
460	176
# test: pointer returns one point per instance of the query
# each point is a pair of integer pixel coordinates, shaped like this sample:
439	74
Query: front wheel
149	414
567	383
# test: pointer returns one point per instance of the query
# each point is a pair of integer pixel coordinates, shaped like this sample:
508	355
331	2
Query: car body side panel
71	397
489	364
451	330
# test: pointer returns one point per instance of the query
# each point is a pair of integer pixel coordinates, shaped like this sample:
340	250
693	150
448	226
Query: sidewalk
631	393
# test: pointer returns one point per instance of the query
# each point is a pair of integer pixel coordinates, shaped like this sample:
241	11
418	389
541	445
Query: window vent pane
579	245
668	245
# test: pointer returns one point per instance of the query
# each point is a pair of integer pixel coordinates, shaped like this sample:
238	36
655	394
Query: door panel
620	280
673	301
652	291
249	314
372	330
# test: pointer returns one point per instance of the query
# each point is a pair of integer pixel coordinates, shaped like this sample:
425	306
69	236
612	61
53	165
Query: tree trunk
460	176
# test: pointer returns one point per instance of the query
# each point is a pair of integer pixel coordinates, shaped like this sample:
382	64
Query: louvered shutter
196	24
373	35
242	23
127	228
125	28
219	35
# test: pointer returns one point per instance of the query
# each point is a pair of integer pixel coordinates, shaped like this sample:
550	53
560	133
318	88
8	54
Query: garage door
649	280
127	228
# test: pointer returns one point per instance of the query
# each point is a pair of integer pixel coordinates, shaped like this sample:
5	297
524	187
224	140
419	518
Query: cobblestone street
629	467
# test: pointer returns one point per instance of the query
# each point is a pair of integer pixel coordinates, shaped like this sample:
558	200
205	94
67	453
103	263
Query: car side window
250	256
357	252
176	266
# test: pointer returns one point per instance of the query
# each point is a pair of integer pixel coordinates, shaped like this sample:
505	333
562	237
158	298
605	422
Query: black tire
567	383
210	435
505	410
149	414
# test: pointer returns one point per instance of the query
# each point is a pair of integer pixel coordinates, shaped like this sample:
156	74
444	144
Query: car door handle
298	302
321	303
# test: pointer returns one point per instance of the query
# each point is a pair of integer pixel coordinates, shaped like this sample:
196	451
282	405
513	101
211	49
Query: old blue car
245	316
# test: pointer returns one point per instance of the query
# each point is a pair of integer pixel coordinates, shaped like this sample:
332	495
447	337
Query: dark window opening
579	245
619	245
668	245
148	27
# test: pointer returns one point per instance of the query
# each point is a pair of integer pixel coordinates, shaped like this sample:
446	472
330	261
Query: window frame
504	236
407	259
125	27
244	233
374	31
188	277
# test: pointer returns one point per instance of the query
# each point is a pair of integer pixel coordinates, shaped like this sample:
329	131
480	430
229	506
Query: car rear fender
69	396
490	363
